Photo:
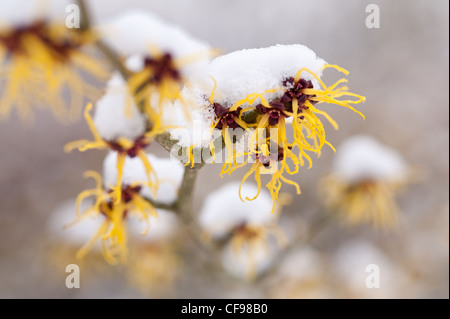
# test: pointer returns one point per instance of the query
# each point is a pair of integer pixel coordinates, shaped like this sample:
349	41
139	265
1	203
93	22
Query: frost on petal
116	114
250	71
362	157
223	211
169	173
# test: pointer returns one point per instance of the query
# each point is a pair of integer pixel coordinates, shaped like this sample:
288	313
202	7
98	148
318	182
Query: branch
106	50
184	203
160	205
112	58
85	16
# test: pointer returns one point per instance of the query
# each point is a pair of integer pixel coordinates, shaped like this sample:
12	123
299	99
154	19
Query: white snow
194	131
141	32
169	172
250	71
116	115
362	157
79	233
223	210
162	228
238	262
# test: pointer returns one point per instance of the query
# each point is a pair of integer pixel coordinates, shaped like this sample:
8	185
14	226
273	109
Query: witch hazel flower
364	182
246	226
134	202
263	91
170	173
119	126
161	58
39	62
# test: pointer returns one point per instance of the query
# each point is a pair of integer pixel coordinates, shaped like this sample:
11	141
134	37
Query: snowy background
402	69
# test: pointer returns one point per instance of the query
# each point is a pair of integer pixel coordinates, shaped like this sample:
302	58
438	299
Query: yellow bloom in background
154	264
40	63
365	181
153	268
161	58
160	81
113	230
244	229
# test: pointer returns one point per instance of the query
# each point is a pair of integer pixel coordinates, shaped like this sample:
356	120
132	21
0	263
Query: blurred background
401	68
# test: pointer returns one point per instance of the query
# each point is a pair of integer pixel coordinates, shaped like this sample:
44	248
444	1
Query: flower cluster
266	104
364	182
135	202
245	228
39	61
256	108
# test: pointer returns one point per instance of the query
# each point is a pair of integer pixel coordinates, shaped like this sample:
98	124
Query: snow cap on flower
238	263
77	234
189	132
162	227
223	211
362	157
169	172
138	33
116	114
250	71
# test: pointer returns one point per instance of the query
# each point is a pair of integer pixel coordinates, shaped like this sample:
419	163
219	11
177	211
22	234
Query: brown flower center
139	144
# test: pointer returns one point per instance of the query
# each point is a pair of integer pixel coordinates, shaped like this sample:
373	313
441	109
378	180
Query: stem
85	16
184	204
159	205
112	58
107	51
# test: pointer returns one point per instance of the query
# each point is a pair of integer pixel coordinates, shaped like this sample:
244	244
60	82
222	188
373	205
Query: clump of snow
188	131
116	114
223	210
362	157
239	263
250	71
79	233
141	32
135	63
169	172
162	227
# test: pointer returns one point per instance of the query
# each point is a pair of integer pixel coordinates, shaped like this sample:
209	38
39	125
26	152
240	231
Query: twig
160	205
184	204
113	59
85	23
106	50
